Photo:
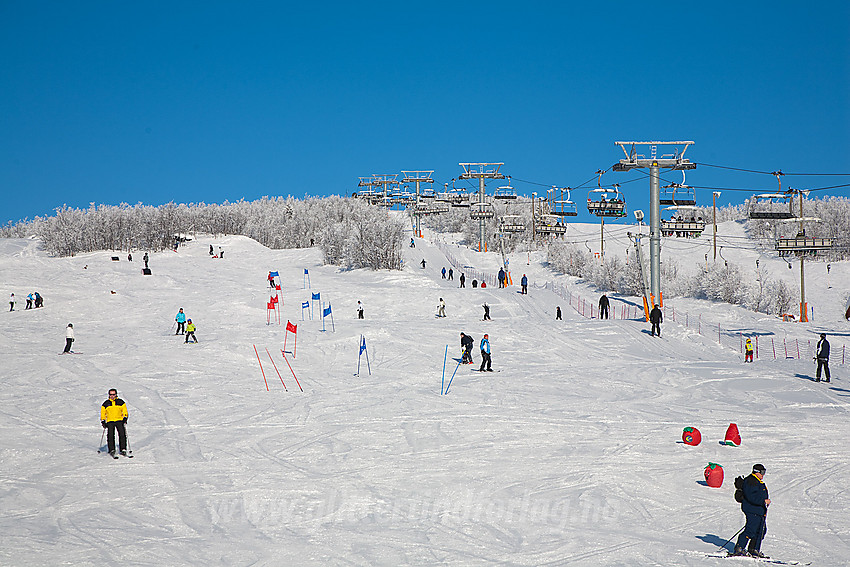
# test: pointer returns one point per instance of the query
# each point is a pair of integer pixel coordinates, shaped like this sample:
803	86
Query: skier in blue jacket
524	283
754	506
181	322
485	354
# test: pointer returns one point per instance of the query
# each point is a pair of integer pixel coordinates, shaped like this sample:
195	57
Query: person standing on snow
12	302
145	258
656	317
486	313
754	506
39	301
451	274
466	343
462	279
190	331
441	308
748	350
524	283
502	277
412	243
181	322
603	307
69	338
211	250
359	310
558	313
822	356
29	302
444	272
485	354
423	263
113	416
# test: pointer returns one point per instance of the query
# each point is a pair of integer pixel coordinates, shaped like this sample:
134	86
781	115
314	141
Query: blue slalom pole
443	380
452	378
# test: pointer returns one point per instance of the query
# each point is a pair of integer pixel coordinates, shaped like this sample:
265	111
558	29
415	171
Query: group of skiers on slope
466	343
34	300
185	326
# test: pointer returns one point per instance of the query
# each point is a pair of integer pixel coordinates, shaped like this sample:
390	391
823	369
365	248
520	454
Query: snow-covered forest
353	234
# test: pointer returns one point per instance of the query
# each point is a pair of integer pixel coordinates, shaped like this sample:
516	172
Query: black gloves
124	420
103	423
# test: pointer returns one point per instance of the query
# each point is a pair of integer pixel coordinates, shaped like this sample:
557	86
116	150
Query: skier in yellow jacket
190	331
113	415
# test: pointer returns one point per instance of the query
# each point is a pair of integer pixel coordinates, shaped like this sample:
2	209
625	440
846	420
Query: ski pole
127	437
731	538
101	440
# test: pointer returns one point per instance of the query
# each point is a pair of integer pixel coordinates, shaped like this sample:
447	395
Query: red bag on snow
691	436
733	438
714	475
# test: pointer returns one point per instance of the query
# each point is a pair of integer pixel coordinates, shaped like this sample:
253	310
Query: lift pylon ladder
647	295
417	177
481	171
675	161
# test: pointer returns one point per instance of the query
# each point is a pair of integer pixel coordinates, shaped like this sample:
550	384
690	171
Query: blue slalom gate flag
306	305
325	312
316	296
274	274
306	279
306	273
360	354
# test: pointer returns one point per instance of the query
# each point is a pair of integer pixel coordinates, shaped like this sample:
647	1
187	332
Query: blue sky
111	102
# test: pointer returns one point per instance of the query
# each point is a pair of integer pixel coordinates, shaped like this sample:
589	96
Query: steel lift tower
481	172
417	177
675	161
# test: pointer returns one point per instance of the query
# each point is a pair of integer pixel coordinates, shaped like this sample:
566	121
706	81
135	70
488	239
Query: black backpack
739	489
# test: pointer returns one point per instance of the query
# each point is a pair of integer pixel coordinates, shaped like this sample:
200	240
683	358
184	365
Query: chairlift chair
511	224
564	207
481	210
682	227
605	206
505	193
678	194
766	207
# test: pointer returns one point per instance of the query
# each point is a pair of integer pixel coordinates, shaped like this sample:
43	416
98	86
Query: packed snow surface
570	454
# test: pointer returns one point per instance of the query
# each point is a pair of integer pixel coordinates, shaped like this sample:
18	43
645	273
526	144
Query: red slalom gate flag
290	328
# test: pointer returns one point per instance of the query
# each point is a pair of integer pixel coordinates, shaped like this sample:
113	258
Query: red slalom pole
276	370
291	370
261	367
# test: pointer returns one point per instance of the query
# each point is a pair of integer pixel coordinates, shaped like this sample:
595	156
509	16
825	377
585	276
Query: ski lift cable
770	172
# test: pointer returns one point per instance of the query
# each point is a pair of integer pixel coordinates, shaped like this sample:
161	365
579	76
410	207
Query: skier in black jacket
822	356
466	343
603	307
754	506
656	317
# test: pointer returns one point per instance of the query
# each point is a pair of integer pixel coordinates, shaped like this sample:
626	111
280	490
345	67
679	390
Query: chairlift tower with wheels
417	177
674	161
802	245
481	171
